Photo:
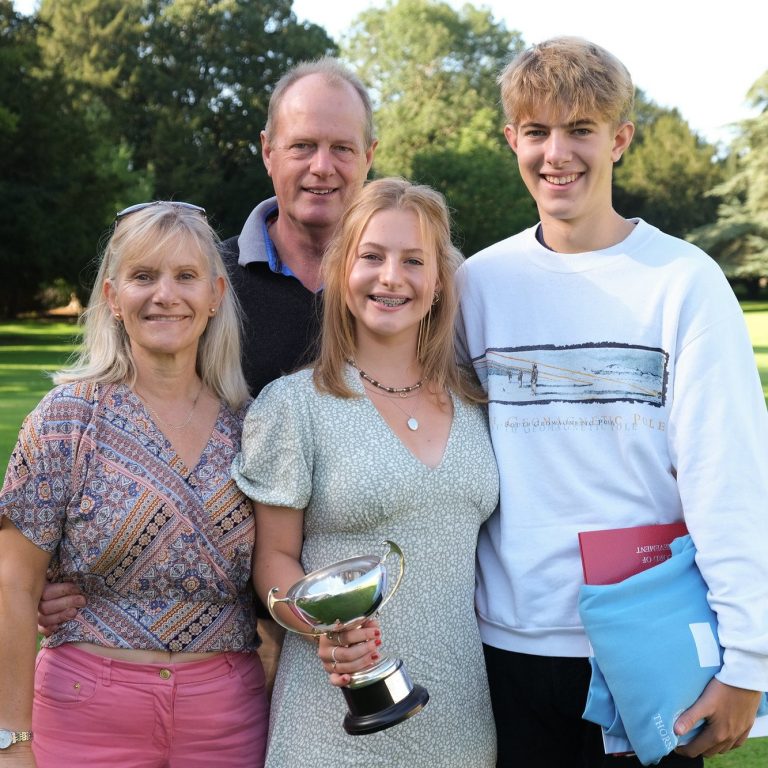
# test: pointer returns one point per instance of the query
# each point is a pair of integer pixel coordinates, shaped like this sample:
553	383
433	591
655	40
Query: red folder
610	556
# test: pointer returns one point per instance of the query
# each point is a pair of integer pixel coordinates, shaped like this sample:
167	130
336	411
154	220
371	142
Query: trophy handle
272	601
392	547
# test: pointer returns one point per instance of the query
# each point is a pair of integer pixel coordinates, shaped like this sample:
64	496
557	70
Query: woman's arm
276	563
277	555
22	574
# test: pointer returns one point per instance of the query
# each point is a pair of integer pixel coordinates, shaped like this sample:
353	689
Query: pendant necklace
413	422
168	423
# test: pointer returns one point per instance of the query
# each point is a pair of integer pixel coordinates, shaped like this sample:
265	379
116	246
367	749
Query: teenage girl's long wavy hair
435	351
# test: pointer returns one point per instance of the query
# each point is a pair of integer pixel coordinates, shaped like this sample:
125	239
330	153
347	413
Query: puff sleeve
276	460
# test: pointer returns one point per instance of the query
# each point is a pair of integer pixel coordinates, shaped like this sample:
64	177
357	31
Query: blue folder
655	645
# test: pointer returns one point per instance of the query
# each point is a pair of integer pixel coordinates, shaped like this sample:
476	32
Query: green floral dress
339	461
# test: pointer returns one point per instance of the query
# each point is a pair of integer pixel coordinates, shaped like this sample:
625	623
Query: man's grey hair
335	74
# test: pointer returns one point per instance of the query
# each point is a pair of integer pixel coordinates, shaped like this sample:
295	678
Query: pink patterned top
161	551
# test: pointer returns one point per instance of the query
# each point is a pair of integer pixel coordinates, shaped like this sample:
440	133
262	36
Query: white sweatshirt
623	391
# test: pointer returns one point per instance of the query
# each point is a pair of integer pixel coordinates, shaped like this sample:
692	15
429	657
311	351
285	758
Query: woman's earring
118	317
213	310
435	298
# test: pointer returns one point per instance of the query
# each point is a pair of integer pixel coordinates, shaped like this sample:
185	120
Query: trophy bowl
342	596
346	593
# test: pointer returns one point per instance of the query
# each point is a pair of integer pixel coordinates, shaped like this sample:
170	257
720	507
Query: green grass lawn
756	314
30	349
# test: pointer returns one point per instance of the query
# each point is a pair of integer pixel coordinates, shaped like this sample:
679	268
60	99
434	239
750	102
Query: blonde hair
567	73
435	351
105	354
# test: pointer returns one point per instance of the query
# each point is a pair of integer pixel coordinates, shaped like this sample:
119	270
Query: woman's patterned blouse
161	551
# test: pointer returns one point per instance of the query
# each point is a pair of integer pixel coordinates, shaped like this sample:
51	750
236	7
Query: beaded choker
402	391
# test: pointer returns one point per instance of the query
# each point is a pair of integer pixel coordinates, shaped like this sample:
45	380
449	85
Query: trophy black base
381	700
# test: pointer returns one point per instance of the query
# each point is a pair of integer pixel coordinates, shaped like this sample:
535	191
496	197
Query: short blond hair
105	355
567	73
436	351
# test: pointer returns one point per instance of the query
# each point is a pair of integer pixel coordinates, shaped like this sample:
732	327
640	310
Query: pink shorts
101	713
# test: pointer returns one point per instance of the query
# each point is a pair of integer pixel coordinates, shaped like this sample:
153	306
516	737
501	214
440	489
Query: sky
700	57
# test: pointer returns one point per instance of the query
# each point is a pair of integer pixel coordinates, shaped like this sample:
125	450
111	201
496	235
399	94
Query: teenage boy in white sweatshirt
622	391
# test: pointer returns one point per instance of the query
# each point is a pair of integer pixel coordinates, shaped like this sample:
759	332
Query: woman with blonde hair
384	438
120	483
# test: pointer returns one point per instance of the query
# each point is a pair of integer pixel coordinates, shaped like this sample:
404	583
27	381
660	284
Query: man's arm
59	603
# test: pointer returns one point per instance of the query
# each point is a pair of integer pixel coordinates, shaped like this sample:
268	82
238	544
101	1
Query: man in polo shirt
317	147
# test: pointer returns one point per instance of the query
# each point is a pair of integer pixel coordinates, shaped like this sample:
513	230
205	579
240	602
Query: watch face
6	738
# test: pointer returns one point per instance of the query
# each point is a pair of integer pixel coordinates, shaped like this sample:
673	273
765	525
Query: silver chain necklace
168	423
413	422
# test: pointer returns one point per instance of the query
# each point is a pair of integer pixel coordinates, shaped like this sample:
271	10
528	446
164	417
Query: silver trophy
342	596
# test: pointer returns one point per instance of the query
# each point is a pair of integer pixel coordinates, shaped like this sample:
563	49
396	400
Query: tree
663	175
481	184
645	113
58	177
738	239
432	73
430	69
186	83
106	102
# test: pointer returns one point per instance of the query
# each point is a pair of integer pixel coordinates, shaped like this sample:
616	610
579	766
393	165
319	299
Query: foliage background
104	103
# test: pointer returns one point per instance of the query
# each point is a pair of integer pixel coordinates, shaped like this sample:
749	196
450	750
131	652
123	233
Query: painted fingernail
375	656
377	641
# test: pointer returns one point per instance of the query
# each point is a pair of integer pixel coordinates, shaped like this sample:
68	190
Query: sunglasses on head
120	215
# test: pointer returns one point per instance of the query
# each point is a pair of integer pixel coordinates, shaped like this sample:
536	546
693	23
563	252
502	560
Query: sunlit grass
757	322
29	352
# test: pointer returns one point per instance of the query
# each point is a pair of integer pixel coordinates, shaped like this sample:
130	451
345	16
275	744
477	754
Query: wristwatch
9	738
